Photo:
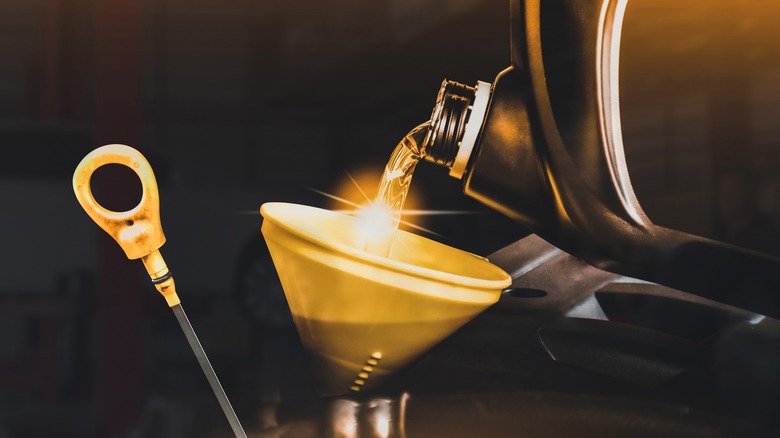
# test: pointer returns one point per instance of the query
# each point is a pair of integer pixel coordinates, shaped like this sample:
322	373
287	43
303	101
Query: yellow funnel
364	316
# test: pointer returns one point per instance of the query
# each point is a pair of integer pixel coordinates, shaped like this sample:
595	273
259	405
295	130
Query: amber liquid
394	186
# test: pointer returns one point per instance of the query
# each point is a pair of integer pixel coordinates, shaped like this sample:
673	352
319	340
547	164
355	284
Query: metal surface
595	353
377	417
571	350
211	376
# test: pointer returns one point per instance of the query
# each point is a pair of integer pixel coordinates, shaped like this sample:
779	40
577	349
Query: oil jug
543	145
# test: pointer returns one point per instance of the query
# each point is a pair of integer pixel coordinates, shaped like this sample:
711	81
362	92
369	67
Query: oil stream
393	187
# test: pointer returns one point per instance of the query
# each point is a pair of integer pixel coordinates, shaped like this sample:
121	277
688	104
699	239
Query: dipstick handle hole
116	187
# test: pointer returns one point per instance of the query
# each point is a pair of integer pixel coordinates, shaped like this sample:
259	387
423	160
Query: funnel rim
266	210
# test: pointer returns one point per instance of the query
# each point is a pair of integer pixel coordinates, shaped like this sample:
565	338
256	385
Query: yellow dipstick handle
138	230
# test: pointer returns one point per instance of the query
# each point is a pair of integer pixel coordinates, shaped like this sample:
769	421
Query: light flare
374	225
373	219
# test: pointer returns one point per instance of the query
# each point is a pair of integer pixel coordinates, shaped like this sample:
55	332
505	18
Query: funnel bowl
363	316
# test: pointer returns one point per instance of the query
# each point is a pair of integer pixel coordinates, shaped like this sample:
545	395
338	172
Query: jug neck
455	124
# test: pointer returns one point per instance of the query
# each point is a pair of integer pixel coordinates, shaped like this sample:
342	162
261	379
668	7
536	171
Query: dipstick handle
138	231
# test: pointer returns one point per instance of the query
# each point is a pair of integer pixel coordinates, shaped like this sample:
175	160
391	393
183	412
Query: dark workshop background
240	102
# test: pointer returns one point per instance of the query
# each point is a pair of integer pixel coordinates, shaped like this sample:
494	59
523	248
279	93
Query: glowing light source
374	226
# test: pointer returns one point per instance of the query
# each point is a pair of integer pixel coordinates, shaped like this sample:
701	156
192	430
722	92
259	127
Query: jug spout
455	124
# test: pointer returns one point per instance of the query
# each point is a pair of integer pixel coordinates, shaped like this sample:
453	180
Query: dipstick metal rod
211	376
